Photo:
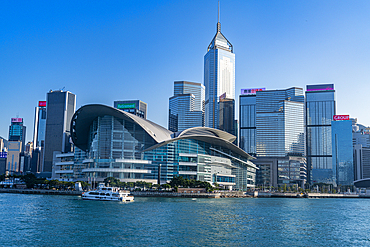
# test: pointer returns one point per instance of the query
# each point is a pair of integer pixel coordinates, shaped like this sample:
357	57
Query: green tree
29	179
166	186
112	181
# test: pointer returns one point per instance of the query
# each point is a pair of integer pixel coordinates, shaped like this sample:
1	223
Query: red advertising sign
42	103
340	117
252	90
17	120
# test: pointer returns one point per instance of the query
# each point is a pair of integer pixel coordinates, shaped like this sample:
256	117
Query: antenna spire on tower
218	21
218	11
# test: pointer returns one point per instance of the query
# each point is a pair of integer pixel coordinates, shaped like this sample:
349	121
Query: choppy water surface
44	220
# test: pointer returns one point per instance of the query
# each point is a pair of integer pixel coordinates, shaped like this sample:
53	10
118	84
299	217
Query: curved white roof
83	117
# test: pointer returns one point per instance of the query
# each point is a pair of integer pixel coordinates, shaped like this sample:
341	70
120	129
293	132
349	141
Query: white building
219	76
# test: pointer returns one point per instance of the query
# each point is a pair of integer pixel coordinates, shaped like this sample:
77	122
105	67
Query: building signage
322	87
252	90
222	96
42	103
126	106
3	154
17	120
340	117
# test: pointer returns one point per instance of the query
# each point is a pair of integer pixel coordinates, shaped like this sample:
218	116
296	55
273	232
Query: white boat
108	194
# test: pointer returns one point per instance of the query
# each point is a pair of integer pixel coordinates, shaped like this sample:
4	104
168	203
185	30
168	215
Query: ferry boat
108	194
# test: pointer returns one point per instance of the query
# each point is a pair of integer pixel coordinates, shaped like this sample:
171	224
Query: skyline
104	52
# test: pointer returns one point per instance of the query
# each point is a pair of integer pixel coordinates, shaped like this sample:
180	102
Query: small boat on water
108	194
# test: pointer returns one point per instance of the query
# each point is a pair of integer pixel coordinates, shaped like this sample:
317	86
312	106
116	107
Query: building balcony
89	170
65	163
187	164
187	173
64	172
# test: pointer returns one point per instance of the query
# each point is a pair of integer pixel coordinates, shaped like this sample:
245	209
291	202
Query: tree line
32	181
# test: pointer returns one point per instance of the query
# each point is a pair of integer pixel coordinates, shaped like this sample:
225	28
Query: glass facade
116	147
247	120
186	107
272	123
227	116
342	152
292	171
320	108
205	155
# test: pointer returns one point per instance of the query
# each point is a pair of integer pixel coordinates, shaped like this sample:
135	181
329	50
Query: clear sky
116	50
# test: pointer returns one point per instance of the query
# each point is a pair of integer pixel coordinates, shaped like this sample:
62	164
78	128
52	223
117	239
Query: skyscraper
272	129
219	76
320	109
136	107
342	149
39	137
39	125
17	132
59	111
226	115
186	107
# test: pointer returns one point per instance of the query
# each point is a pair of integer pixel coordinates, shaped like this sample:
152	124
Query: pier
42	192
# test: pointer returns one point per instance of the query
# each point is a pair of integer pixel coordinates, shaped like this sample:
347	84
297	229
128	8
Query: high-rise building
13	157
219	76
38	137
186	107
136	107
272	122
17	132
3	159
39	125
361	150
3	144
226	115
60	108
272	129
320	109
342	150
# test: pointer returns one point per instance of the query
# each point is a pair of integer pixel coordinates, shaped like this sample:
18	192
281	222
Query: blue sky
115	50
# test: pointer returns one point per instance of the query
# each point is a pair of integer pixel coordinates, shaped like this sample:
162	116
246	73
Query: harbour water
48	220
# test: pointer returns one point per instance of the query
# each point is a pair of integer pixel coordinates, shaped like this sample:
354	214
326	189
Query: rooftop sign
252	90
322	87
126	106
3	154
42	103
340	117
17	120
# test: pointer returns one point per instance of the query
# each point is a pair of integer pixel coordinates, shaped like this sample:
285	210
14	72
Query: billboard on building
252	90
42	103
340	117
126	106
17	120
321	87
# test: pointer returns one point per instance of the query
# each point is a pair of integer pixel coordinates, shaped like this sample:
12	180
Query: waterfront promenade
217	194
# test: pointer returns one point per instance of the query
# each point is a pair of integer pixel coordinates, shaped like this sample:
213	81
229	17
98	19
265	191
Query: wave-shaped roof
83	118
205	131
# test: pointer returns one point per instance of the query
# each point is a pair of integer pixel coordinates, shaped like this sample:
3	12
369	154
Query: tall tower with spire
219	78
